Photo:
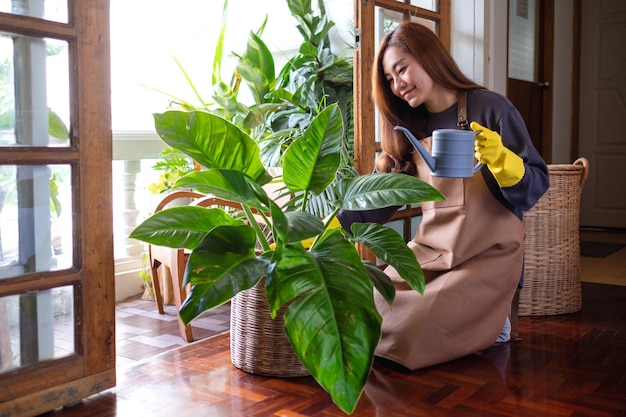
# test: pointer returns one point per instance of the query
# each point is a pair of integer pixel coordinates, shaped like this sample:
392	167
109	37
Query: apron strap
462	114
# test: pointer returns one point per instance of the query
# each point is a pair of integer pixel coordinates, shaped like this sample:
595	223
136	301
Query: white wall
479	45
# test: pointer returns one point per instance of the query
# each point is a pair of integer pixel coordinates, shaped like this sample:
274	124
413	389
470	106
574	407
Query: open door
57	301
373	19
529	75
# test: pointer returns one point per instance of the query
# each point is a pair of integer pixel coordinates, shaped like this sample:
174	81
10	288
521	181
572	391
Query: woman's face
407	78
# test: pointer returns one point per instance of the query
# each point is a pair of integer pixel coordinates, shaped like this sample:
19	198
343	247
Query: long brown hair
428	50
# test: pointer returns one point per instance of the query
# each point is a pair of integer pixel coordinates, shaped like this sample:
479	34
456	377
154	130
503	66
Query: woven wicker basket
552	246
258	343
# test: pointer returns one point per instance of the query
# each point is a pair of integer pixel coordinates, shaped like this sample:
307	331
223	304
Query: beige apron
471	250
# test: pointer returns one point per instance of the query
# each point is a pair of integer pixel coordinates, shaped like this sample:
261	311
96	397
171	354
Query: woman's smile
407	93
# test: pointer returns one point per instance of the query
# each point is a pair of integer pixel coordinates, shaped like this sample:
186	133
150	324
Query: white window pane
35	219
36	327
55	10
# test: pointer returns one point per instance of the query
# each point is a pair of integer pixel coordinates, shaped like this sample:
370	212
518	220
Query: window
57	315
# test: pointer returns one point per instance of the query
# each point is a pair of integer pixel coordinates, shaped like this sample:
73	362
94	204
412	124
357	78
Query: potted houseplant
331	319
282	105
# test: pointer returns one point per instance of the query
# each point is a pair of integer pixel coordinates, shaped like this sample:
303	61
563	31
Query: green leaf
189	82
220	267
219	47
223	252
223	183
211	141
55	204
277	220
302	226
56	127
227	99
257	68
299	7
335	318
294	274
381	281
311	162
373	191
257	114
181	227
389	247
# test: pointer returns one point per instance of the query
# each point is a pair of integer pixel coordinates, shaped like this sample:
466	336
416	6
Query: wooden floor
569	365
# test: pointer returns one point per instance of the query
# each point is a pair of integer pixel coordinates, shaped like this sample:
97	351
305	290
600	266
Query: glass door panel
57	295
35	219
36	327
54	10
34	91
385	22
523	40
426	4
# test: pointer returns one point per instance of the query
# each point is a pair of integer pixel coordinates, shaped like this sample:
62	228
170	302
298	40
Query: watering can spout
430	161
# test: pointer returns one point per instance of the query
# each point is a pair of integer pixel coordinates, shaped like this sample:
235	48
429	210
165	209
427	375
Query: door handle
544	84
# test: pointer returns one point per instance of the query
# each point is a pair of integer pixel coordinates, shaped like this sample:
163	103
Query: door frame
365	145
46	385
365	128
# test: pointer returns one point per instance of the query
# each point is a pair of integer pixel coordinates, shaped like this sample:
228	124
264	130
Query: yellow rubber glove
505	165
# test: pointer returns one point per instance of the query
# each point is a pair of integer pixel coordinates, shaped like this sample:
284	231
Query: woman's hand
506	166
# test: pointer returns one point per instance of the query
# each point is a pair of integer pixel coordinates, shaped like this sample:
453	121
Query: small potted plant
171	165
331	319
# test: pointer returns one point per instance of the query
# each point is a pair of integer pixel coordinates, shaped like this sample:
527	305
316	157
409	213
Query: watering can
452	152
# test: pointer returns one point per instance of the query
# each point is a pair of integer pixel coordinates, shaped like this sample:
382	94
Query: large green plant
283	105
331	318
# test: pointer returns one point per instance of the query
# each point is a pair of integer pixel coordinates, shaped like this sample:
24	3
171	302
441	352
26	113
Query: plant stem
255	225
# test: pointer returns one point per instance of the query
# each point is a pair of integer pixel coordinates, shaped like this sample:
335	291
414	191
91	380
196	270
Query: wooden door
602	112
57	301
373	19
530	51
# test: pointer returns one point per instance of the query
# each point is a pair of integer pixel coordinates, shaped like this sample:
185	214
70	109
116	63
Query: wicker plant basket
552	246
258	343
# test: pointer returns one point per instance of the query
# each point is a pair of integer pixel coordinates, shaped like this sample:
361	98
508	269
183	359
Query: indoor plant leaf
222	265
302	226
257	68
372	191
389	247
227	184
311	162
334	319
381	281
211	141
181	227
299	7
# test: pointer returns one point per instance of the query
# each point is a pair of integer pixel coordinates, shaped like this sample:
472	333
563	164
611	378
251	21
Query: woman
470	246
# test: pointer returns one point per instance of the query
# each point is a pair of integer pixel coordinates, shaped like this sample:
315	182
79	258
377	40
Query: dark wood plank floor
570	365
